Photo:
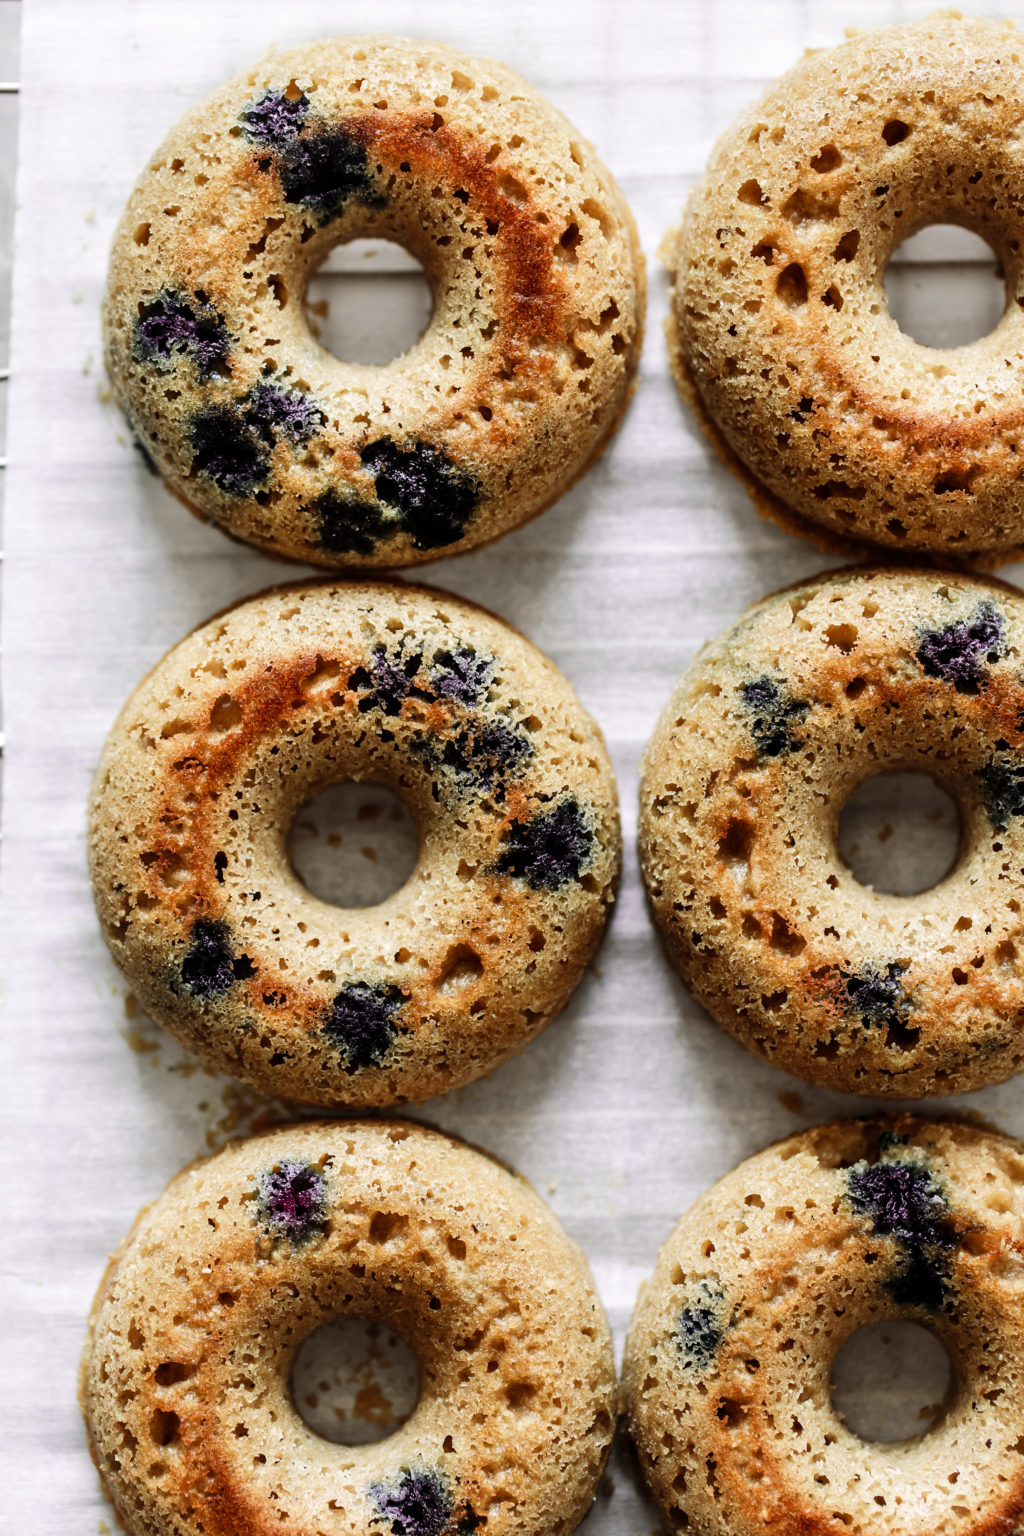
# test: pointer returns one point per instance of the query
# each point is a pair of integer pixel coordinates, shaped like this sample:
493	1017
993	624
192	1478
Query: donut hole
945	287
369	302
891	1381
354	1381
354	845
900	833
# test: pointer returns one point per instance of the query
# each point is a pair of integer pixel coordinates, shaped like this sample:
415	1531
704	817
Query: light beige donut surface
844	428
765	737
520	377
726	1376
185	1376
250	717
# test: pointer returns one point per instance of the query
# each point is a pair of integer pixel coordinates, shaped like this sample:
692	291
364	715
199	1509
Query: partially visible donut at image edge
844	429
764	738
520	378
727	1366
185	1377
249	718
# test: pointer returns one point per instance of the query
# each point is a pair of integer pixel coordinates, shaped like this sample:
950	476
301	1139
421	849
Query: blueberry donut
815	690
728	1359
251	716
513	390
185	1378
843	427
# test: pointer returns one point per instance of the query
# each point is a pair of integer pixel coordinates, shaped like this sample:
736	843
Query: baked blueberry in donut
843	427
520	377
275	119
253	715
291	1200
185	1381
701	1327
362	1023
417	1503
833	1230
854	674
176	323
549	850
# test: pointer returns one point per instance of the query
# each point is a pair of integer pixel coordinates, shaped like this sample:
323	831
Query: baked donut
518	381
727	1364
815	690
184	1381
251	716
844	428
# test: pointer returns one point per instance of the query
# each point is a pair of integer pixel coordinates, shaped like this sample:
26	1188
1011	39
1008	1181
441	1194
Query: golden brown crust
833	416
515	387
184	1381
726	1375
247	719
765	737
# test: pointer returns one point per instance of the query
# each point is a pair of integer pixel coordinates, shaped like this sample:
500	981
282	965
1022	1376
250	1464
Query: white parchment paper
633	1102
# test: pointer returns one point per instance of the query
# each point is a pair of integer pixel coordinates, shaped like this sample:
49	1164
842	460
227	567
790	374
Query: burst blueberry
876	996
460	675
210	966
550	850
388	683
232	443
904	1202
434	498
324	168
291	1201
415	1503
228	449
1002	786
361	1023
347	526
188	324
275	119
958	653
487	752
278	412
701	1324
775	717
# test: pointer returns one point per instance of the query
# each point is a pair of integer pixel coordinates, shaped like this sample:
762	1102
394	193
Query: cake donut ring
251	716
510	394
727	1364
844	428
184	1381
813	691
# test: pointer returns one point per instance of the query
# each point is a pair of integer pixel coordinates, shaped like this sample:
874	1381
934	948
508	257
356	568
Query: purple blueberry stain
232	442
700	1326
186	324
775	718
388	682
1001	781
210	965
291	1201
417	1502
274	120
361	1023
903	1201
323	168
461	675
283	413
435	499
549	850
959	653
485	752
346	525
